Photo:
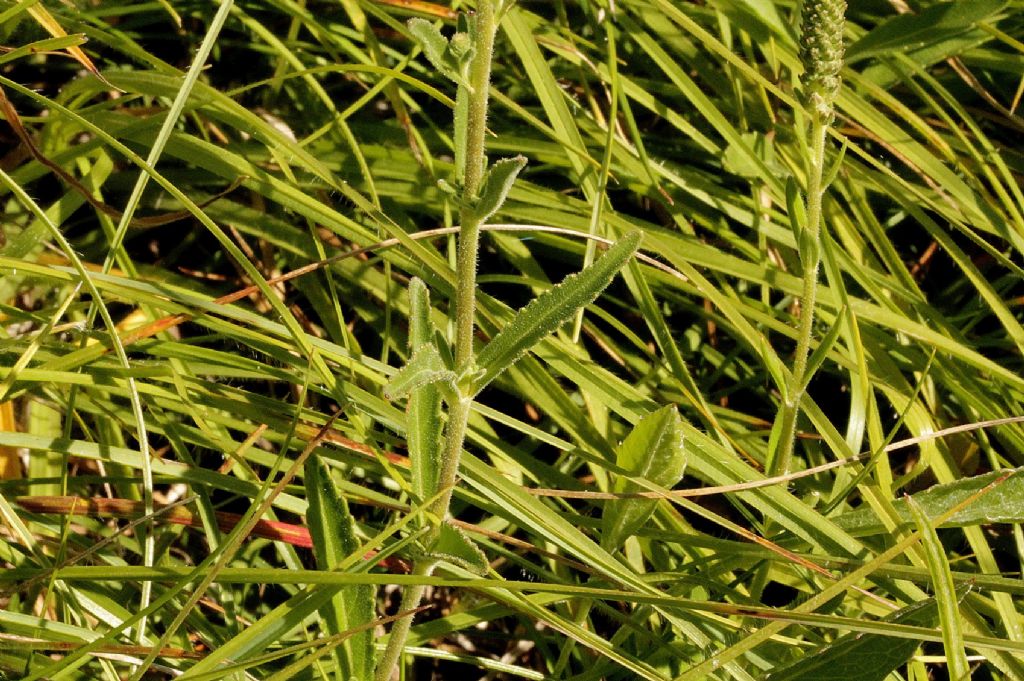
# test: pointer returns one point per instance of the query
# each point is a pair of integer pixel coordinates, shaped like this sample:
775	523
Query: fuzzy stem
455	435
476	161
812	233
411	597
821	53
465	312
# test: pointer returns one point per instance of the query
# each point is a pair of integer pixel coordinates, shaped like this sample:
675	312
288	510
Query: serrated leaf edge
479	567
425	367
539	317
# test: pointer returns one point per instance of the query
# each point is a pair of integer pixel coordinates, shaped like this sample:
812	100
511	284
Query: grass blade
945	595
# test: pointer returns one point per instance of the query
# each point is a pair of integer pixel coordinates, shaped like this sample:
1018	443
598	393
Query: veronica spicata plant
821	53
479	190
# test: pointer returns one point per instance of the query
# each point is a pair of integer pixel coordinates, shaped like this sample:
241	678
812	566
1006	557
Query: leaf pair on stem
541	317
440	396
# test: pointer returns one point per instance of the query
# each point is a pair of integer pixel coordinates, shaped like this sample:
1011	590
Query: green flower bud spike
821	53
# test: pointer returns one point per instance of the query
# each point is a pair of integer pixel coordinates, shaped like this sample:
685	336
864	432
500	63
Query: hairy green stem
812	235
473	174
465	312
411	597
458	418
821	53
465	291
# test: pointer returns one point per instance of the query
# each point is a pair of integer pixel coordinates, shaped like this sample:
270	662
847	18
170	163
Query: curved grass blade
945	594
1003	504
863	657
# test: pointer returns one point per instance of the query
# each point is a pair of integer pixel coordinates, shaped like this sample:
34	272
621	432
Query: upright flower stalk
480	190
466	59
469	240
821	52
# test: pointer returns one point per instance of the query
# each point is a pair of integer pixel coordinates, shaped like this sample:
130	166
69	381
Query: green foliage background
677	119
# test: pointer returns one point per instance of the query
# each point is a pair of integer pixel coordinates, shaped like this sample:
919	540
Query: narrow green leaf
450	57
1002	504
424	411
552	309
837	164
421	330
455	546
45	420
795	208
461	120
499	180
425	367
809	248
654	451
945	594
938	23
821	352
736	158
49	44
461	48
333	531
461	112
862	657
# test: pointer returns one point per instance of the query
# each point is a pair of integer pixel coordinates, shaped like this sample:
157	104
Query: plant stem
465	312
455	435
411	597
812	237
476	161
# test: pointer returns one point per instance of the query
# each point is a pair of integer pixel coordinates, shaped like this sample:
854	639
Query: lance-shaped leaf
333	531
430	39
423	436
796	209
455	546
499	180
425	367
461	113
550	310
653	451
1002	503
